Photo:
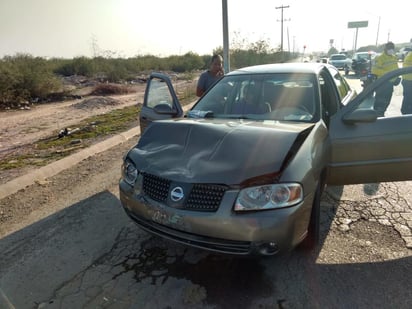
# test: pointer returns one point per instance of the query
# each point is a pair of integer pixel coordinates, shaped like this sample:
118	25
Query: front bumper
224	231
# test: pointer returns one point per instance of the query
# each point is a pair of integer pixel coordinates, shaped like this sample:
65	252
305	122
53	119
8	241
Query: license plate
164	217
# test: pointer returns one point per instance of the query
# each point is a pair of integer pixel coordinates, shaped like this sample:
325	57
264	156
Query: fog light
269	248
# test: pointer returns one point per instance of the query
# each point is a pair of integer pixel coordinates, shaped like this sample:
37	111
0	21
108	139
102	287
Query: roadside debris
67	131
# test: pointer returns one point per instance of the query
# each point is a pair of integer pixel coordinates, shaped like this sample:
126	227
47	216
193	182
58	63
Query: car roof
293	67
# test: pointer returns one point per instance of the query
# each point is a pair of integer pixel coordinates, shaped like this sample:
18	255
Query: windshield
290	97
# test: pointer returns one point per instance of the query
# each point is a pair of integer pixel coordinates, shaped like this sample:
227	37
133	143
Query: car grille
156	187
202	197
205	197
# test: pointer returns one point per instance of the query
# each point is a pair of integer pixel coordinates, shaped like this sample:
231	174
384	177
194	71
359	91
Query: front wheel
313	236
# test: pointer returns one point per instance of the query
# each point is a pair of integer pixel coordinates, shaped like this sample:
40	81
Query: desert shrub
10	95
186	63
117	72
24	78
78	66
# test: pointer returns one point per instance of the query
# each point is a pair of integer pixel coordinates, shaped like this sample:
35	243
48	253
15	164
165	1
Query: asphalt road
90	255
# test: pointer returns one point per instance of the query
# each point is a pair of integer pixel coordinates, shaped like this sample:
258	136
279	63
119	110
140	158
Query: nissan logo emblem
177	194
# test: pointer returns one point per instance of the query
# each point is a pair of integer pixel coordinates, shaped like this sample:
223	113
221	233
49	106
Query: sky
128	28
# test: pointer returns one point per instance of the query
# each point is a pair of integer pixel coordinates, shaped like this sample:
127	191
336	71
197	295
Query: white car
341	62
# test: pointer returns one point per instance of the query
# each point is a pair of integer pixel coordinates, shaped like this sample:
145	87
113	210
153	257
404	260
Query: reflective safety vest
407	62
383	64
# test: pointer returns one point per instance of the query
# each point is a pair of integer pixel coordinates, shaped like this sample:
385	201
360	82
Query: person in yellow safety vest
407	87
382	64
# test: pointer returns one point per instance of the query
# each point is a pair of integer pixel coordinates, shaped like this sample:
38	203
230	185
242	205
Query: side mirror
164	109
360	115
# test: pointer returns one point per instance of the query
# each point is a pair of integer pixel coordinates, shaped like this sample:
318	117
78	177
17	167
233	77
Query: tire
312	238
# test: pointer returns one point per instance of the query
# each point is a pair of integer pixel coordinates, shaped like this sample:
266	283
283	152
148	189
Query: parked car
341	62
250	182
322	59
403	52
361	62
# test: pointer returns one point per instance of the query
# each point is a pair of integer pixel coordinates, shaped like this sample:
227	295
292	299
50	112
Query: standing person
209	77
407	87
382	64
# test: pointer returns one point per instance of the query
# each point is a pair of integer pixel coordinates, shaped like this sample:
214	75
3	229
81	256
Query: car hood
216	151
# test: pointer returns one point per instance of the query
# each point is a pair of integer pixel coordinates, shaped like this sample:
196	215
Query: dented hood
214	151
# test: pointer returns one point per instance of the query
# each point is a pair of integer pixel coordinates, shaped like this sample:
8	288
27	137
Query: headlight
129	172
269	197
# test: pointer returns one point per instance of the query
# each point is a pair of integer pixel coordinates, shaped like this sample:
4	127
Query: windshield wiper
240	116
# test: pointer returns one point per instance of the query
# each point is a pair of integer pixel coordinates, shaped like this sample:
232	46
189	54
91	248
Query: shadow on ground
90	255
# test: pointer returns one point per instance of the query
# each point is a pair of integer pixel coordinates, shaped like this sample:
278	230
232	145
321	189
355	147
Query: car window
159	93
330	101
341	83
338	57
280	96
363	56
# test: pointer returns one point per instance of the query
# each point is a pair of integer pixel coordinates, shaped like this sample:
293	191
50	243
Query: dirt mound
97	102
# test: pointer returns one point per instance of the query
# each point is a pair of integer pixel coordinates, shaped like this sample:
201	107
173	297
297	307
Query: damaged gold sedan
242	172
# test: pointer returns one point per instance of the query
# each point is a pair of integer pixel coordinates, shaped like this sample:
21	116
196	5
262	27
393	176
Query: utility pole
226	57
281	24
377	33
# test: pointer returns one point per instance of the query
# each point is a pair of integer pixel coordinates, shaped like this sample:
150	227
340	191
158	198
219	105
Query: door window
159	93
393	98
